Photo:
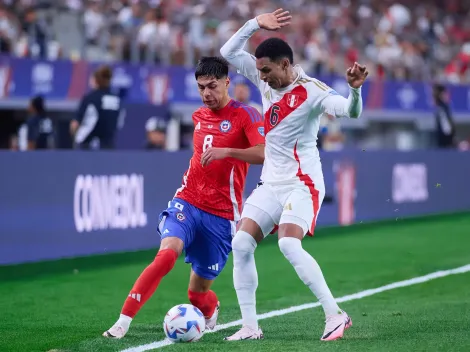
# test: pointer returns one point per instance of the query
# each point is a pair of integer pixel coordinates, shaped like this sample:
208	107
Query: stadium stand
412	40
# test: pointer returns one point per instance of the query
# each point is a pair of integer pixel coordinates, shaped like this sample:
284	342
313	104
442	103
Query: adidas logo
166	231
214	267
198	126
136	296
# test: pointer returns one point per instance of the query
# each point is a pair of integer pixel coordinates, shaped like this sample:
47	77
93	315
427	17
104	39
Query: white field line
352	297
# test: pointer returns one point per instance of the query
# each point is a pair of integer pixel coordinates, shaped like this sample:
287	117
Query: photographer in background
445	127
96	122
38	130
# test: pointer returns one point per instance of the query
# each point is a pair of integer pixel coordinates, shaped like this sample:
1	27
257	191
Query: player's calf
146	285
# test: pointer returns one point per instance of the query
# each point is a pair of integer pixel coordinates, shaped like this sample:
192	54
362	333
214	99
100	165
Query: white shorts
297	204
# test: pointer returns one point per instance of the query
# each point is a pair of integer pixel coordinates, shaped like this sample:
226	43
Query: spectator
407	40
36	30
156	130
99	113
94	22
8	31
38	131
445	127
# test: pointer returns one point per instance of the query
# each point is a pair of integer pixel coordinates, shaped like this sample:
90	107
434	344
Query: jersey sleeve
81	109
253	126
233	52
338	106
196	117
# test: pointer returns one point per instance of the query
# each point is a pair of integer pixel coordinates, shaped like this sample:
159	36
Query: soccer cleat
117	331
212	321
246	333
335	326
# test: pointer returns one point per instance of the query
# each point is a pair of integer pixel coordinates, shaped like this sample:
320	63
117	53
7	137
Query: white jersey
291	115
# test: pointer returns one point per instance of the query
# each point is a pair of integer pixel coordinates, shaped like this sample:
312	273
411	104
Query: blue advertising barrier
65	204
63	83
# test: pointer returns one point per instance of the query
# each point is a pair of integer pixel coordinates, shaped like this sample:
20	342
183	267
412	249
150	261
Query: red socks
205	301
148	281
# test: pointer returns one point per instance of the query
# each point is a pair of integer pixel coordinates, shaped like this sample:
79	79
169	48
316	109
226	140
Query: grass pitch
66	305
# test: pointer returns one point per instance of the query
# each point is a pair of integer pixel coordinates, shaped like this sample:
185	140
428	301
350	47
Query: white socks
309	272
245	276
124	321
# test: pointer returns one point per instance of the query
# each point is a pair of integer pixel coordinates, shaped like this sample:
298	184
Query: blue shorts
207	238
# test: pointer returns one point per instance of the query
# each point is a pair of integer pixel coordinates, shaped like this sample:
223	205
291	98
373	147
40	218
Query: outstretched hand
356	75
274	20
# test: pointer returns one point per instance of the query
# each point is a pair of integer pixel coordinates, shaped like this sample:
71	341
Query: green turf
69	311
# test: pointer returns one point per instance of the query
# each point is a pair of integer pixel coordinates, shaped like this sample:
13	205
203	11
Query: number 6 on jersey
207	142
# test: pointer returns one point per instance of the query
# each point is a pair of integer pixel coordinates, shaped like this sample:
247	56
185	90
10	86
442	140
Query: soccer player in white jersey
292	186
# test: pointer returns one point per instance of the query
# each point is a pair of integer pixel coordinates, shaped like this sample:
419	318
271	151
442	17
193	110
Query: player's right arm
233	52
78	118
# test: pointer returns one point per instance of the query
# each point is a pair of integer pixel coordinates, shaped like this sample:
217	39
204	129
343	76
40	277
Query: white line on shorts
352	297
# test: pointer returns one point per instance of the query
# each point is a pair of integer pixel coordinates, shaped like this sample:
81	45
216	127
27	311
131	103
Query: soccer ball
184	323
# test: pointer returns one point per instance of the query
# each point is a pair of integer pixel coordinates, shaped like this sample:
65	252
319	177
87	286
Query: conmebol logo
103	202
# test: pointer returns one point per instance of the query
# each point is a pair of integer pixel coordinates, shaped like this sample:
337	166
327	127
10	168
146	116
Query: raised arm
338	106
233	51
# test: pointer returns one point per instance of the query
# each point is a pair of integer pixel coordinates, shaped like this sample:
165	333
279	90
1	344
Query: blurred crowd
406	39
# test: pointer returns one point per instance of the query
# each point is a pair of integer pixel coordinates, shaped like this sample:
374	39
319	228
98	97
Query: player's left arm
338	106
253	126
254	131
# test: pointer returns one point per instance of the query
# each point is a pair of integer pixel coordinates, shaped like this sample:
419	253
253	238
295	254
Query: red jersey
218	187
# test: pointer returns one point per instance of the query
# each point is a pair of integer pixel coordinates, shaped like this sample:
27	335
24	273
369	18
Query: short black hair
212	66
275	49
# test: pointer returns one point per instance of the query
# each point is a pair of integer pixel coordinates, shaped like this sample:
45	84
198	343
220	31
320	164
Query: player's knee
243	242
172	243
289	245
252	227
292	226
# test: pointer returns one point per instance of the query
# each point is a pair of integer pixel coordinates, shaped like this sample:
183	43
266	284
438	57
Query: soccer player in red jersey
201	218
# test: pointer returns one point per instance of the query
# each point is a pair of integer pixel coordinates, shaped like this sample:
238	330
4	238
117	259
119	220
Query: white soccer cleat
117	331
246	333
335	326
212	321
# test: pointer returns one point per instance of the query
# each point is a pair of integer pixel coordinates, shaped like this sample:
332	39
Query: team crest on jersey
180	216
225	126
292	100
261	131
